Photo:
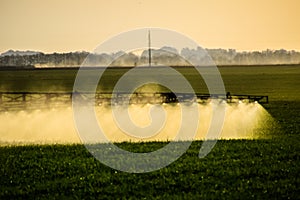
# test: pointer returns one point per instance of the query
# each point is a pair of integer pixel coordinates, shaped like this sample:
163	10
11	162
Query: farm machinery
40	100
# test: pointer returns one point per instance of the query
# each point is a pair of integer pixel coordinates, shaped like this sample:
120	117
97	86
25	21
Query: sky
75	25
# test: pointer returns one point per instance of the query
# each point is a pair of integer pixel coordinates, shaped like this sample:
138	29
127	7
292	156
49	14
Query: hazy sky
71	25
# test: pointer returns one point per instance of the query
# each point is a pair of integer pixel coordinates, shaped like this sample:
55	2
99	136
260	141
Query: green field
278	82
234	169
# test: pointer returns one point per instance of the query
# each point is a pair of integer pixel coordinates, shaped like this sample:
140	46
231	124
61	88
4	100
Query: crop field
280	83
234	169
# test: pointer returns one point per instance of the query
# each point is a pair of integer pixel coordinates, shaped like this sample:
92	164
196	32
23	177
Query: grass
234	169
247	169
278	82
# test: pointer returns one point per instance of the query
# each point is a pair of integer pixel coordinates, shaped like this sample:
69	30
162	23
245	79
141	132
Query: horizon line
85	51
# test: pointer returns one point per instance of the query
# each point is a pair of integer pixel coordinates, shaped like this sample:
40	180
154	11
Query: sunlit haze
64	26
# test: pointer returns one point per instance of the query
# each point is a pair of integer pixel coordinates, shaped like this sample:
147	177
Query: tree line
165	56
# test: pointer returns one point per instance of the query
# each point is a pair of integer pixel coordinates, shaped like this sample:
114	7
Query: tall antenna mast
149	47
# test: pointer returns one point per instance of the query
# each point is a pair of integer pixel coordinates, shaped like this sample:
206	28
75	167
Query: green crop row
247	169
